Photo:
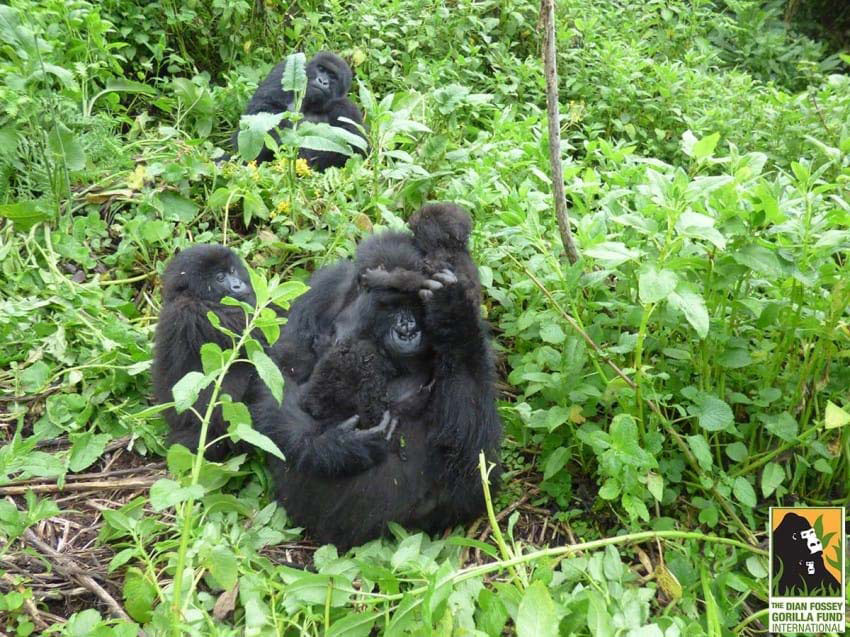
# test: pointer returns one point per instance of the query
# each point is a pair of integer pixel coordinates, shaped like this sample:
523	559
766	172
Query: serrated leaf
713	413
223	566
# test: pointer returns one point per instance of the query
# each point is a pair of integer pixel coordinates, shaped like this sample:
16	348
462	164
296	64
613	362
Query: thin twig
69	568
547	12
94	485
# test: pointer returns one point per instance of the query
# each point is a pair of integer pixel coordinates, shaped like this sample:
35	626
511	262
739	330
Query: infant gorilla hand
383	429
437	281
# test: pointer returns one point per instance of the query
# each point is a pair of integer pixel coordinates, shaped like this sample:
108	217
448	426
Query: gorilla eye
322	68
220	277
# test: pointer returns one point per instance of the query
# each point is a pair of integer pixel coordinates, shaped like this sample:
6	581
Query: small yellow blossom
282	208
280	165
302	169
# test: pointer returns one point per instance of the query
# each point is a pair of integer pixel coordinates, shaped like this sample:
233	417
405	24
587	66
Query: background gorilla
798	555
429	479
194	283
328	83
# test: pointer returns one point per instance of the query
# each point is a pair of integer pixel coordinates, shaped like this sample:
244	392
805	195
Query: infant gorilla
354	373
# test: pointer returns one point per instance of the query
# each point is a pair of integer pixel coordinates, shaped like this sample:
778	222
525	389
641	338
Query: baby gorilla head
208	273
328	78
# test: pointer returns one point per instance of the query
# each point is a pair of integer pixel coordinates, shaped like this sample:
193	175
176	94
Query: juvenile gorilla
442	396
798	556
328	83
194	283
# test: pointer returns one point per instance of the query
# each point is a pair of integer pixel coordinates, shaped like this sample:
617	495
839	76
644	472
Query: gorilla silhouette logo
798	568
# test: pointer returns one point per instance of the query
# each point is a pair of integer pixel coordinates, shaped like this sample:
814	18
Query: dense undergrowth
707	166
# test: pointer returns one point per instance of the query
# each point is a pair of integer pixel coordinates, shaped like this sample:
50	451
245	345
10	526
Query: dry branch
553	116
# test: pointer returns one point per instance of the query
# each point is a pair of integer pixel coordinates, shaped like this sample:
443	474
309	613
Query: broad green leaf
744	492
354	625
24	214
536	616
612	253
552	333
223	566
835	416
244	432
782	425
693	307
701	450
555	462
737	451
655	285
759	259
187	389
269	372
66	147
655	485
599	620
168	493
771	477
610	489
177	208
294	76
624	442
86	448
139	595
699	149
252	132
713	413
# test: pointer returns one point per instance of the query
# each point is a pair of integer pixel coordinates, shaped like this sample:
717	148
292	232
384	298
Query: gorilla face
209	273
328	78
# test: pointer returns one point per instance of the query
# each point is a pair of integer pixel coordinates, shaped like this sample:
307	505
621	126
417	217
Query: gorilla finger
350	424
391	428
426	295
431	284
445	276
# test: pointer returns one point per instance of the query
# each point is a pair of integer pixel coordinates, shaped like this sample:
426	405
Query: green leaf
782	425
168	493
34	378
536	616
610	489
612	253
759	259
269	372
555	462
701	450
354	625
655	485
66	147
187	389
552	333
599	620
252	132
771	477
294	76
24	214
139	595
744	492
223	566
655	285
734	359
244	432
712	413
86	448
835	416
177	208
737	451
693	307
699	149
624	442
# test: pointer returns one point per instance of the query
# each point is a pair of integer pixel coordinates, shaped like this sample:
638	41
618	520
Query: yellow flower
302	169
280	165
282	207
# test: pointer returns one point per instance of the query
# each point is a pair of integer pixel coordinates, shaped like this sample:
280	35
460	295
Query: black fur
190	290
427	476
328	83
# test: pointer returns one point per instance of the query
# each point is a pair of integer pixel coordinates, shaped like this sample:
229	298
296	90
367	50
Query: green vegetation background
707	166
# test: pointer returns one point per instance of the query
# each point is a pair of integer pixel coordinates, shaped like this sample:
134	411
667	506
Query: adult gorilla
426	476
325	101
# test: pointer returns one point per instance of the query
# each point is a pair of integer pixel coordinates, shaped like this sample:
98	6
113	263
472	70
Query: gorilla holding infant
389	395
